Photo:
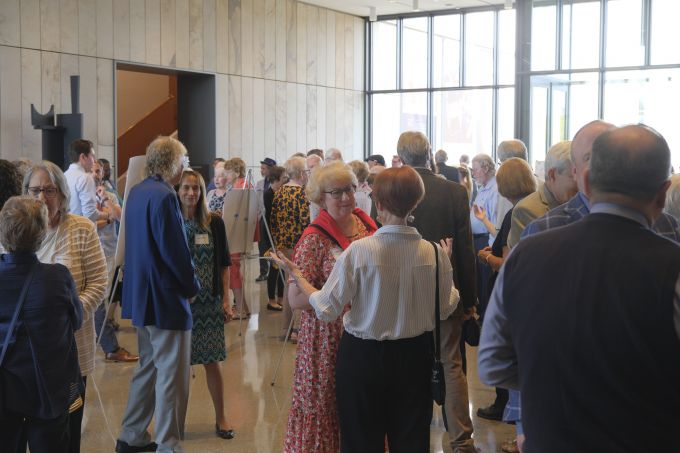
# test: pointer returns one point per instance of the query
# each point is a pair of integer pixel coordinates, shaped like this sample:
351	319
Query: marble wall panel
247	118
321	117
181	34
221	114
258	18
87	27
358	118
196	34
105	116
31	140
312	44
258	124
349	52
153	32
10	23
107	152
340	119
348	130
209	35
29	24
270	33
235	135
68	66
168	33
281	47
359	53
104	26
87	68
301	27
235	36
330	119
222	36
281	121
121	30
291	119
330	48
339	50
321	47
270	112
51	85
10	102
291	40
301	125
247	48
138	30
68	25
50	31
311	111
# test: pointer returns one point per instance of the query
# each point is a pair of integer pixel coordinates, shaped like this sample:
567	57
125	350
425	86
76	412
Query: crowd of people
573	274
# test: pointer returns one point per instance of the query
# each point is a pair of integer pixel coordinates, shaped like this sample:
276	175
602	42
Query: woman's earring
410	218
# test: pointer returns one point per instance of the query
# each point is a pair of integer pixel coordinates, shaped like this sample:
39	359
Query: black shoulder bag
437	383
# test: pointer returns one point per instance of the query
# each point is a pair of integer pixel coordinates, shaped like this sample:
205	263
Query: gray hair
23	224
673	197
633	161
413	148
559	158
441	157
164	157
333	154
511	148
58	179
486	162
360	169
295	166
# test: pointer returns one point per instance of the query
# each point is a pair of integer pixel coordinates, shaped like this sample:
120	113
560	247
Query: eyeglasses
336	194
50	192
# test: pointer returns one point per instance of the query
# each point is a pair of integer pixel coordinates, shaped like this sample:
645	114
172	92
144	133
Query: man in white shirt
83	200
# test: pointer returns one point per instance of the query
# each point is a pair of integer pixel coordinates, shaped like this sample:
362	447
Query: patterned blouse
216	202
290	216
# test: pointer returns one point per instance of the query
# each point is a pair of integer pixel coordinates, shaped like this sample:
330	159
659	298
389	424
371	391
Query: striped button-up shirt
389	280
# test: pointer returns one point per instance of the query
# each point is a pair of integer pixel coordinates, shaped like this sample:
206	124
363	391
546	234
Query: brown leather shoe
121	355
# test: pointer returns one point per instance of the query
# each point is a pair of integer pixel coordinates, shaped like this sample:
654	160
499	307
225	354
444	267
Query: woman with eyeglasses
313	420
71	240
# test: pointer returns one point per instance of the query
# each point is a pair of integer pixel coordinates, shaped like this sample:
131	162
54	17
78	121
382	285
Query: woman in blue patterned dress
211	308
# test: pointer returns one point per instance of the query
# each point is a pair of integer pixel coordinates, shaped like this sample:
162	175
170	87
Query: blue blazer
40	372
158	273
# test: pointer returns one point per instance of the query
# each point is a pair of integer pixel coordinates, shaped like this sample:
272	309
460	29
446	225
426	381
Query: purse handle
15	316
437	343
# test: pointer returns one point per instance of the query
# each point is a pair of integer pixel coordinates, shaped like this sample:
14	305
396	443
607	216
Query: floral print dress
313	424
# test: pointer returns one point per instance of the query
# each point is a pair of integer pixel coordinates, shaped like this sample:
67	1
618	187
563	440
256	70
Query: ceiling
385	7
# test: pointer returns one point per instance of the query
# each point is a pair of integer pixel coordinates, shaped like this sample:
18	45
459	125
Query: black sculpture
56	139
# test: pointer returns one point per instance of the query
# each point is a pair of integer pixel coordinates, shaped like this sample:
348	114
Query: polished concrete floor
256	408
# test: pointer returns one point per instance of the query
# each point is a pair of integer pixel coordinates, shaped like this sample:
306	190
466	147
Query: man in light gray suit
558	188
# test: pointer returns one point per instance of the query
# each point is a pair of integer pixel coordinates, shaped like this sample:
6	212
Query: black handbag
9	336
472	330
437	383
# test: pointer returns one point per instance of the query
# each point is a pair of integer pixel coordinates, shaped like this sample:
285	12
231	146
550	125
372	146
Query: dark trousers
383	388
483	273
262	247
43	436
274	284
75	423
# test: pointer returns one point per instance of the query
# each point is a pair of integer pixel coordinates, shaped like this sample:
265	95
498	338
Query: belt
480	235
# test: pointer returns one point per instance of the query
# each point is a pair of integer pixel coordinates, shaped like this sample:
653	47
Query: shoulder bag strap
437	343
20	303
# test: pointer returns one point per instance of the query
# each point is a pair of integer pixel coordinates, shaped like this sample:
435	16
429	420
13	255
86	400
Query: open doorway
154	101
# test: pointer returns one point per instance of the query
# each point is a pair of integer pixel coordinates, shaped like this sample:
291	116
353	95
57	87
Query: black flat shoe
490	413
274	307
124	447
224	433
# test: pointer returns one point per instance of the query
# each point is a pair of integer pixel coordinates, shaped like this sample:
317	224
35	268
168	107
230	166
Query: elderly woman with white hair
41	376
313	421
289	217
71	240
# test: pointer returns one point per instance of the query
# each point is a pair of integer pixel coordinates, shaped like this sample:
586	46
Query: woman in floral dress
210	309
313	424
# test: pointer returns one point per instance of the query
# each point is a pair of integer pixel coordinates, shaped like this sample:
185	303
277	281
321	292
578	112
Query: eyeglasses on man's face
50	192
336	194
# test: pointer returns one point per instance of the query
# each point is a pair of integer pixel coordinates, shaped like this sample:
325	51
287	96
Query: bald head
632	161
581	147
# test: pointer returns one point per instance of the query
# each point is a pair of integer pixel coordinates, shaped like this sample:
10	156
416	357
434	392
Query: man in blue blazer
159	281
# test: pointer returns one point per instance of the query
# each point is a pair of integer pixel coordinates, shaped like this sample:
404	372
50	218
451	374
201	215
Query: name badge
202	239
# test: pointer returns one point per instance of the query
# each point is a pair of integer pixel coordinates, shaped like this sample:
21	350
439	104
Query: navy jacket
158	275
40	371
